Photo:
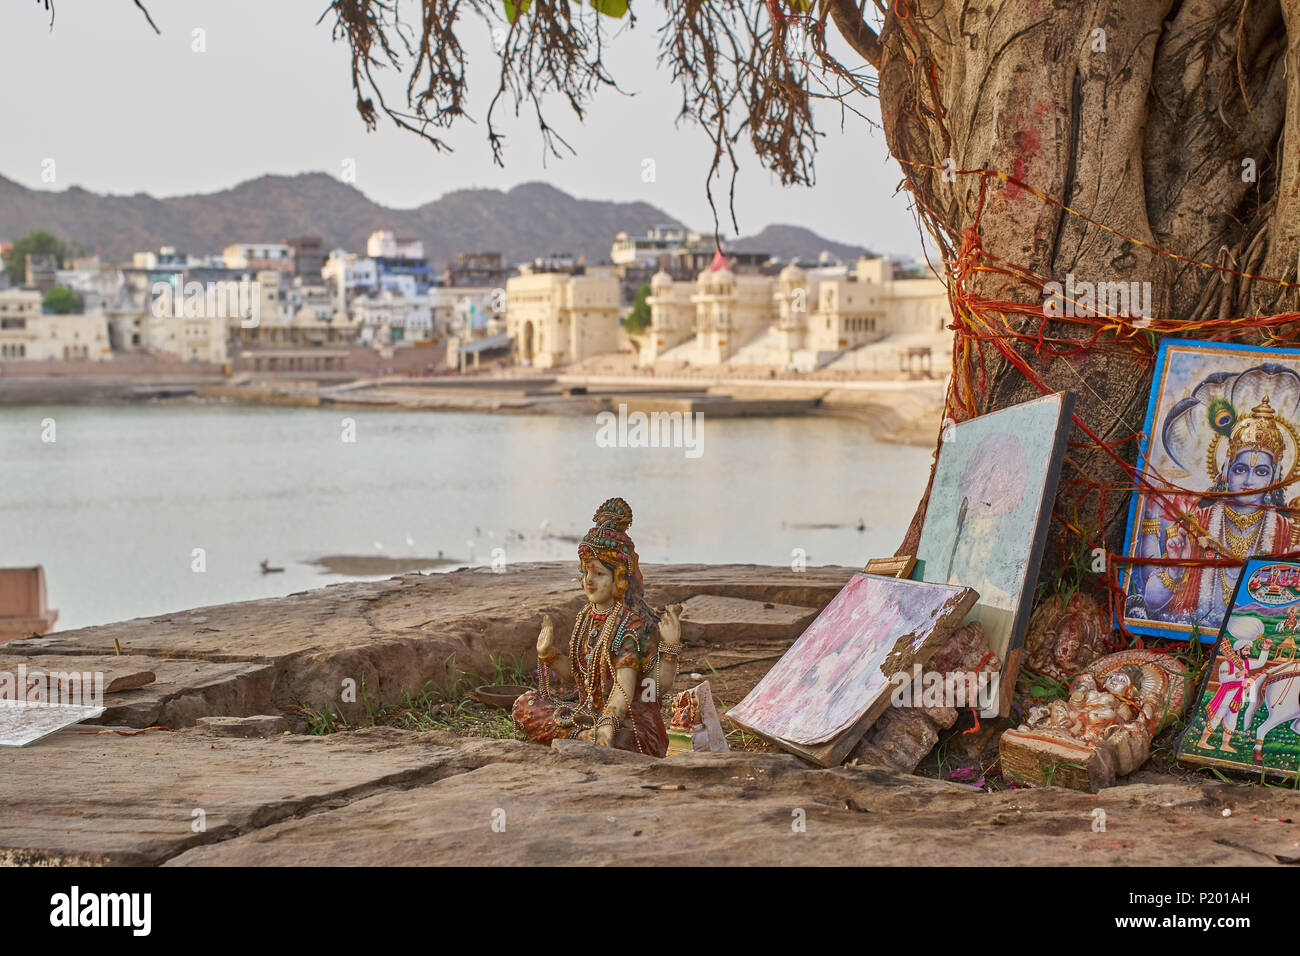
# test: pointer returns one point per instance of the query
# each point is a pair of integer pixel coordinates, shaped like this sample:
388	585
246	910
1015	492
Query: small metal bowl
499	695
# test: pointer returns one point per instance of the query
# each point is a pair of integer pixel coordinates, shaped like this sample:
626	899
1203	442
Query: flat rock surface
385	797
181	691
89	795
259	725
715	620
394	637
340	615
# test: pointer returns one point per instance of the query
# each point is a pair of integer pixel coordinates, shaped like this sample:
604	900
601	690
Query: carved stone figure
621	657
1064	637
1103	729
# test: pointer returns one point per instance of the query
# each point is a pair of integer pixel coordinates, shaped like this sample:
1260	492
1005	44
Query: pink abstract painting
841	664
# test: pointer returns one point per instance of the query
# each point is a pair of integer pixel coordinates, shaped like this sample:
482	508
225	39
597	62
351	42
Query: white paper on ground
21	722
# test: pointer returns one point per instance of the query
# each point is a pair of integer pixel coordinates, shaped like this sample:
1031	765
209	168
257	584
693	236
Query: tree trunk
1137	114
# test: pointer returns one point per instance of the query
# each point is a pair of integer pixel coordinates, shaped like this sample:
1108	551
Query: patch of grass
1049	773
741	739
1040	687
714	671
1019	781
1075	570
450	708
324	721
511	673
736	736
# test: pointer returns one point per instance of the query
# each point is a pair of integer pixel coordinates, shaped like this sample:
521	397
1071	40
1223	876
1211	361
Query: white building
398	284
201	338
801	318
383	244
730	310
469	311
646	250
28	334
387	319
97	287
556	318
349	274
258	255
167	257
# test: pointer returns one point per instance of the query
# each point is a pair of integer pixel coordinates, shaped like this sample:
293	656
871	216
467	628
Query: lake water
116	505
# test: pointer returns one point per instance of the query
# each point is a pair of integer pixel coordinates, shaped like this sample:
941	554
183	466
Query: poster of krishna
1247	717
1220	449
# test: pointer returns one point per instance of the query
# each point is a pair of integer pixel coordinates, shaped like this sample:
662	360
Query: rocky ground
265	792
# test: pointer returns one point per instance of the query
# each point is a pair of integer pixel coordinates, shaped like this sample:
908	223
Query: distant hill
529	220
796	242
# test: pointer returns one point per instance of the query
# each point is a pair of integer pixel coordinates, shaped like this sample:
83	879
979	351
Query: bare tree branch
748	68
147	17
847	17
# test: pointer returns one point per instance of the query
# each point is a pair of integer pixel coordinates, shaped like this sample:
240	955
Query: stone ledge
259	725
395	636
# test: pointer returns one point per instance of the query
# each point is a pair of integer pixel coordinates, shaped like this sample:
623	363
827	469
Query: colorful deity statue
1240	519
622	655
1103	729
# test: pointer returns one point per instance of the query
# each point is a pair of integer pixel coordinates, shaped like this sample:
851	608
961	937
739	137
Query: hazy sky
122	110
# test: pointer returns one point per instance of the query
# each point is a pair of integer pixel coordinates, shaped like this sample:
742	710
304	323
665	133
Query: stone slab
713	619
388	797
259	725
130	681
343	615
89	795
400	635
181	691
582	805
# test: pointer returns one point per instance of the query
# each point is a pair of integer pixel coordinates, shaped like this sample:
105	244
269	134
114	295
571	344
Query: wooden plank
1042	760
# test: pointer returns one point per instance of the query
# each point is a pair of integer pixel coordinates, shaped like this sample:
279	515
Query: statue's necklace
598	658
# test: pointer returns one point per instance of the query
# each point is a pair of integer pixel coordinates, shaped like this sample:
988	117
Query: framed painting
1219	443
1247	716
987	520
834	682
900	567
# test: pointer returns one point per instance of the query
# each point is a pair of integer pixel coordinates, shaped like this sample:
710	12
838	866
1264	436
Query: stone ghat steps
398	636
385	797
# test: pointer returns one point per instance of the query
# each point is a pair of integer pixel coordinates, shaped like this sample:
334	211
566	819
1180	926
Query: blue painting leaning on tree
1221	444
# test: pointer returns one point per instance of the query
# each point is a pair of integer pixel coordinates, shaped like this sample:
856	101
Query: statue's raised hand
670	625
546	638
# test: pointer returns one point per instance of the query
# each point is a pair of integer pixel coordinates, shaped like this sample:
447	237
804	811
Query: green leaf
516	8
801	5
611	8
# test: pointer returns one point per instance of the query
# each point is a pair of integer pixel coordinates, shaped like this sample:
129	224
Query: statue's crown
614	513
608	539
